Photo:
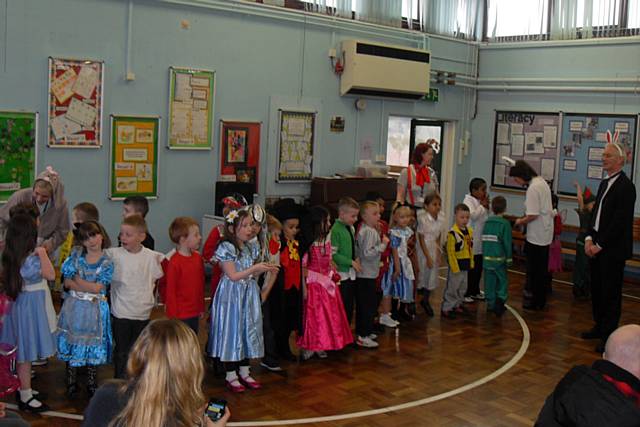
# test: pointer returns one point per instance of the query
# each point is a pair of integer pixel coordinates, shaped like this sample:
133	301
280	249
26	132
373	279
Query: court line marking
524	345
526	339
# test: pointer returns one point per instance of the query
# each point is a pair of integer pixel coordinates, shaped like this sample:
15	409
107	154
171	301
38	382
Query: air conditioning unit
375	69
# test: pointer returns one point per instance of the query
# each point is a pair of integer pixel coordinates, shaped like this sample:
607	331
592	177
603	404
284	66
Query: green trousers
495	285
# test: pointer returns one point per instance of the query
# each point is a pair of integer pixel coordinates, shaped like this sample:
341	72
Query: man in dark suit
609	243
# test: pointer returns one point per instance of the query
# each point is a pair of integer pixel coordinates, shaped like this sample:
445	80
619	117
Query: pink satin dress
324	323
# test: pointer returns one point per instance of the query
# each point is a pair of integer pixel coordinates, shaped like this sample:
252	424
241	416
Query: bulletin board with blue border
583	139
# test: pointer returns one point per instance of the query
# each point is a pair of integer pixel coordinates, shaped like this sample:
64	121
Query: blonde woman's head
165	371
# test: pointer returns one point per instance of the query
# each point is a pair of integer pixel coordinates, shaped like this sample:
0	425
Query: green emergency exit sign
432	96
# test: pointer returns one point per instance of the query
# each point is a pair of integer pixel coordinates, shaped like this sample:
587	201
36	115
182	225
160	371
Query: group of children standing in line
272	274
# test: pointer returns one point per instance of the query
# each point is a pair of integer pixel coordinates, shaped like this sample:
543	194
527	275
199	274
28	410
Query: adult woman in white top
539	221
418	179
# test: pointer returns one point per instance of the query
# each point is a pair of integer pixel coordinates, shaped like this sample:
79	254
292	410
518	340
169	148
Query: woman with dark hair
539	221
418	179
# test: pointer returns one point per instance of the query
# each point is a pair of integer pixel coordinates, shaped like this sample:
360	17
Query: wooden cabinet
327	192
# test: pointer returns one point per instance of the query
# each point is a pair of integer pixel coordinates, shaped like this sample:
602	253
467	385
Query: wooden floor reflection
425	358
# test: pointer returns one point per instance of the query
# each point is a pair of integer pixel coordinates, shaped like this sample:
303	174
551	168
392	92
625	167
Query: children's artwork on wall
295	154
583	140
134	156
18	139
240	151
235	143
191	97
75	103
528	136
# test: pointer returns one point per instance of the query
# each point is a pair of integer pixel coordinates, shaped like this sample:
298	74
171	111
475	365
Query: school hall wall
262	63
605	58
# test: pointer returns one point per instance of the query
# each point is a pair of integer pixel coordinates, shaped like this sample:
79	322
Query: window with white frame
507	18
634	14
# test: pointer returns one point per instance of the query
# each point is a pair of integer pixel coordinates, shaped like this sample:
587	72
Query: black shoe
591	334
600	347
499	308
427	307
72	391
530	307
26	407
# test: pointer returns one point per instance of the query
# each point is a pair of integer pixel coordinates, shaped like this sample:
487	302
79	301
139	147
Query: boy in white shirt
478	202
136	270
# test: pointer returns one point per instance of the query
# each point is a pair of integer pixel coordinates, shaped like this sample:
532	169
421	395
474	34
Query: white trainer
388	321
366	342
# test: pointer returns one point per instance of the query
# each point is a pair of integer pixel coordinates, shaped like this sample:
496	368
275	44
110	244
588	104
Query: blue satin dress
402	288
27	325
84	326
235	332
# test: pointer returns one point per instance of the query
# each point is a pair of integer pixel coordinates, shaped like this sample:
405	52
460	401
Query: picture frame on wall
235	145
75	103
191	105
133	163
18	151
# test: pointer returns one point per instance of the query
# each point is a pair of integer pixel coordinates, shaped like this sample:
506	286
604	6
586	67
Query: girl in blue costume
29	325
84	327
235	335
398	280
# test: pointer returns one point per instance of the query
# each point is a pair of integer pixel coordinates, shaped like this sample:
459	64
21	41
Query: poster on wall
18	139
295	153
583	139
191	94
239	151
134	156
75	98
528	136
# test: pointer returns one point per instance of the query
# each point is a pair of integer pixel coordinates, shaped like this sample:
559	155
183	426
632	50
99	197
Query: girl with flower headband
235	335
211	244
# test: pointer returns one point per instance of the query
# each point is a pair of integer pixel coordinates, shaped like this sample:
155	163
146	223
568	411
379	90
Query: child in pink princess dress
324	322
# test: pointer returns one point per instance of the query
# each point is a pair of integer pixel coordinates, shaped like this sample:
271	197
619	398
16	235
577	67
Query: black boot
92	380
425	303
71	380
499	308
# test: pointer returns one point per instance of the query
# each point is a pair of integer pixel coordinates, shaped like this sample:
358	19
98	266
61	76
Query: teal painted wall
577	60
262	64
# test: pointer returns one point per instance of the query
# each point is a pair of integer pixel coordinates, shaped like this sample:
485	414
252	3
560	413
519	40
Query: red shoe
250	383
235	386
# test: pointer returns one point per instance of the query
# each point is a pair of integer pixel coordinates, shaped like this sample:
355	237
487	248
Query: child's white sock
231	376
244	371
25	395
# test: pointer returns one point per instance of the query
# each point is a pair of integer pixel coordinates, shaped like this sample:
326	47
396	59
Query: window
634	14
398	137
603	13
507	18
410	6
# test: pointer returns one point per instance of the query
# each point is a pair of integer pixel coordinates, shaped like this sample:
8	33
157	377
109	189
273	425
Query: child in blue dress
235	335
84	326
398	280
29	325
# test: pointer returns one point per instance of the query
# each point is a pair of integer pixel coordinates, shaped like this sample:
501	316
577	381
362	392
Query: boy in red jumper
184	271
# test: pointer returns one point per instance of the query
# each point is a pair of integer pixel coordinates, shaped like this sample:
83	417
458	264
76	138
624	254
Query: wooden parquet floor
427	357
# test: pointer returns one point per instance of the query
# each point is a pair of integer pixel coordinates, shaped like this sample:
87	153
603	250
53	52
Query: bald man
609	243
605	394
